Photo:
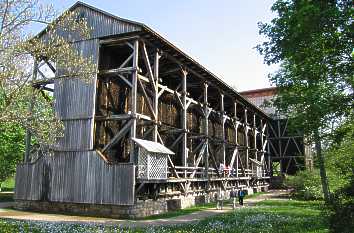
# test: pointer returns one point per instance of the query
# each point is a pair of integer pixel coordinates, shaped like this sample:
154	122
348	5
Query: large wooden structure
288	148
153	123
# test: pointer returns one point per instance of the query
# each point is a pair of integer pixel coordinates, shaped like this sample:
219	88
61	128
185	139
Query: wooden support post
280	146
30	109
262	146
255	135
268	150
236	136
184	120
156	94
134	99
222	118
247	143
206	131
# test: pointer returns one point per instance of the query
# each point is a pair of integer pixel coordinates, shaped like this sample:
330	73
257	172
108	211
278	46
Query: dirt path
193	217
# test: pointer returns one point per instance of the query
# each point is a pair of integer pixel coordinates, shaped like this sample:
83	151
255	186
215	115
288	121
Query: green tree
11	149
312	42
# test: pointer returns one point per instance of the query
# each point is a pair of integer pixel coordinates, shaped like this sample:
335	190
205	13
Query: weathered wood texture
74	104
105	26
101	24
76	177
29	180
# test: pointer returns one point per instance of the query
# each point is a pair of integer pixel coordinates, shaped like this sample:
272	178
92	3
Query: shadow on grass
6	196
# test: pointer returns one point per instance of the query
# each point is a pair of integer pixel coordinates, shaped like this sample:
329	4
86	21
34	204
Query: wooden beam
134	94
206	111
118	117
125	80
152	110
156	93
176	141
118	136
222	118
184	120
147	64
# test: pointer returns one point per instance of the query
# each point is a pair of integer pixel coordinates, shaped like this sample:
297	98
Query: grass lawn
268	216
8	185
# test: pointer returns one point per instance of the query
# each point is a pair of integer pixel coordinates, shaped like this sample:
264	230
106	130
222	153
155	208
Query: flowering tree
18	49
21	105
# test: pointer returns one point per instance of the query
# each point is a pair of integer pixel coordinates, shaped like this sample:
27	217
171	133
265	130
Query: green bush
342	209
306	185
341	159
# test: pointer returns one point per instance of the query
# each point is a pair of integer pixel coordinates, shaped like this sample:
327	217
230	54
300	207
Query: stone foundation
141	209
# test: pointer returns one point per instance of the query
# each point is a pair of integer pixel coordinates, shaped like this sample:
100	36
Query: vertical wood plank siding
77	136
76	177
29	180
102	25
74	98
74	104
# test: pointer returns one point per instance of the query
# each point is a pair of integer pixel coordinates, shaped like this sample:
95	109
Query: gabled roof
153	147
79	3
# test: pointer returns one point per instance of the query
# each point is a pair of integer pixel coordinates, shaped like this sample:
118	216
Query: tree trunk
321	161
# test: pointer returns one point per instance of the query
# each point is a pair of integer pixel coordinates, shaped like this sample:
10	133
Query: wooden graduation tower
155	130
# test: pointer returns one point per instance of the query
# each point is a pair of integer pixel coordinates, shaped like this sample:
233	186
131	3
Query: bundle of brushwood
169	113
112	98
215	128
241	139
230	133
194	122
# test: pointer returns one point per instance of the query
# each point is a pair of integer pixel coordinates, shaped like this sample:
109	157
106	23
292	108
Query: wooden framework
202	160
289	150
146	88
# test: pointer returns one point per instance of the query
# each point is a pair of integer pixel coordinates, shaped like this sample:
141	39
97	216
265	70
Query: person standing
241	195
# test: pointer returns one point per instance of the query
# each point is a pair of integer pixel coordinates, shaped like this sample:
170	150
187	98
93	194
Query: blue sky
220	34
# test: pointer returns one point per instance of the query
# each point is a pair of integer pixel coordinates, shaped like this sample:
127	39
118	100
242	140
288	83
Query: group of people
226	169
240	194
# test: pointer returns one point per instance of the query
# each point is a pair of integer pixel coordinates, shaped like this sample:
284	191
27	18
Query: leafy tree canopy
312	40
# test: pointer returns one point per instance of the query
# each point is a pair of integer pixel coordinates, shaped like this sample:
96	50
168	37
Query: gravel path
189	218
